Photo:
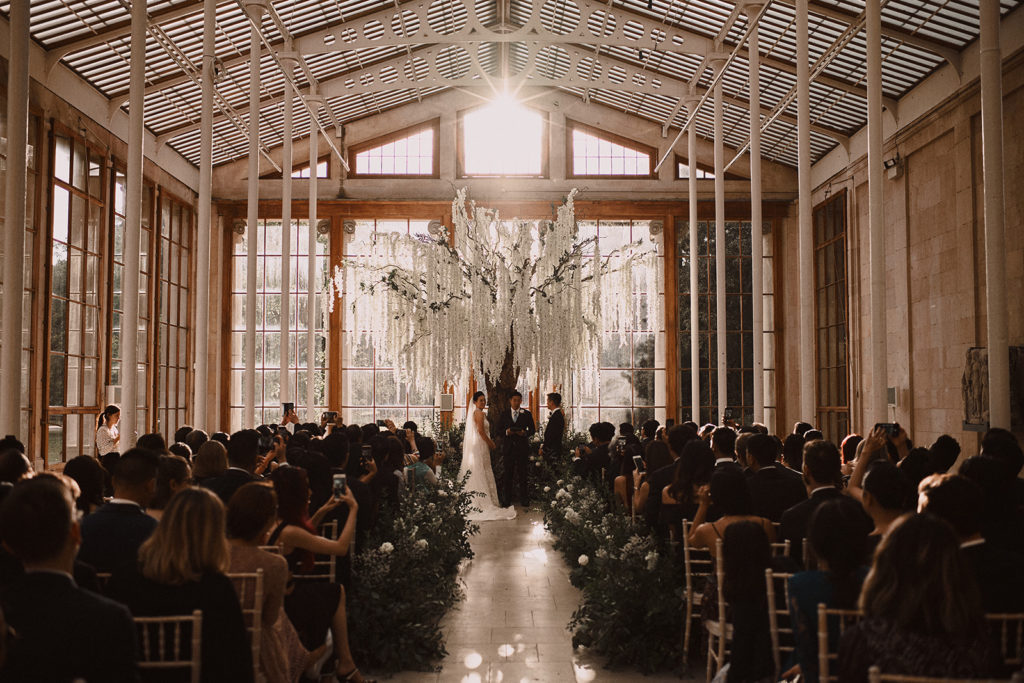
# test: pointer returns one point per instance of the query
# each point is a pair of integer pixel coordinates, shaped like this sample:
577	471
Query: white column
16	195
756	236
695	376
720	334
252	219
133	228
995	236
200	409
286	231
877	401
806	228
314	154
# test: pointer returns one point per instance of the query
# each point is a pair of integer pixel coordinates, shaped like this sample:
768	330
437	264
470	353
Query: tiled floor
512	625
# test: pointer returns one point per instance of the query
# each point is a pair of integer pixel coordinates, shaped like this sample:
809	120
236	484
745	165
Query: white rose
386	547
569	488
559	482
422	544
602	553
583	560
553	503
547	489
652	560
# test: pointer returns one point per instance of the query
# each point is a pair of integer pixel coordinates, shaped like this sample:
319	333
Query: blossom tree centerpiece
498	298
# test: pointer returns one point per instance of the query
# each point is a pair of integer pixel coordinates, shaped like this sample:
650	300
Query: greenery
406	579
632	606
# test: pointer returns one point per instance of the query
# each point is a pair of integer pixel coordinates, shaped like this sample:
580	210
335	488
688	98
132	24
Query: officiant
515	427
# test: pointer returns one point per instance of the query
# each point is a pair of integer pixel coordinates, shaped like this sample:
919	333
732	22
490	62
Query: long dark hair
476	396
101	419
838	533
693	468
291	484
746	553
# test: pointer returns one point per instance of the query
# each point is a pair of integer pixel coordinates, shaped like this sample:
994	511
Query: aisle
512	625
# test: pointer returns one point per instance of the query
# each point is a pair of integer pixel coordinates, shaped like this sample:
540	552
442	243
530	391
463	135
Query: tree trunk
500	389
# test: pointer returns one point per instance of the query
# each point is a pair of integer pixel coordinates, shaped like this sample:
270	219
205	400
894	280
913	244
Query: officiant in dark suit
515	427
551	449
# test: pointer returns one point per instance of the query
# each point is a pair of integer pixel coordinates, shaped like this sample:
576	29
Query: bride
476	458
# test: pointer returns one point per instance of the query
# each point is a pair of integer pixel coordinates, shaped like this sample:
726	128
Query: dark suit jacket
590	464
1000	575
553	432
111	536
226	656
226	484
774	490
656	483
66	633
516	444
795	520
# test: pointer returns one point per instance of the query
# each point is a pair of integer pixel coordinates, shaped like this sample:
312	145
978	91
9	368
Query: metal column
756	237
16	196
720	333
806	228
287	163
695	373
133	228
252	218
995	236
877	401
314	154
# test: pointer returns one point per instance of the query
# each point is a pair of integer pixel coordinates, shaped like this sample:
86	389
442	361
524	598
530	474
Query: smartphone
638	463
330	416
381	423
727	414
891	428
367	454
288	408
340	485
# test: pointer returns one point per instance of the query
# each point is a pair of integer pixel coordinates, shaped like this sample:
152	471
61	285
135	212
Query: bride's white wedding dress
476	458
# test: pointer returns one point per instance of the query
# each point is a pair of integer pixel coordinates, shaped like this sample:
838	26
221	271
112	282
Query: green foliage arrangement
632	606
406	579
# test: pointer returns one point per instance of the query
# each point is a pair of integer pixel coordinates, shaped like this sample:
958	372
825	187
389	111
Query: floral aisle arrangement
632	605
406	579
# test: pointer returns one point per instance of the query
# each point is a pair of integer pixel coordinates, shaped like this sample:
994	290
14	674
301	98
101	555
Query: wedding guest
746	553
423	469
1002	445
659	462
111	535
49	612
813	435
221	438
801	428
729	493
886	496
942	454
89	474
923	613
742	456
243	450
211	461
590	460
627	447
181	450
314	608
999	572
181	433
153	442
848	449
723	443
14	466
793	452
773	488
821	477
181	569
172	475
916	466
551	448
195	440
838	537
692	470
1001	520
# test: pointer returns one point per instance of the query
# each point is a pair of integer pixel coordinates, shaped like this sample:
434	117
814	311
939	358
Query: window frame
821	408
381	140
680	159
278	175
545	147
571	126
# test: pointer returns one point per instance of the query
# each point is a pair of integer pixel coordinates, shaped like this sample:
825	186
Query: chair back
249	587
325	567
875	675
781	549
1008	631
172	642
719	631
779	623
698	564
826	656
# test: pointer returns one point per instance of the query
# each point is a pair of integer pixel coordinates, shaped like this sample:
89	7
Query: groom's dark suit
515	455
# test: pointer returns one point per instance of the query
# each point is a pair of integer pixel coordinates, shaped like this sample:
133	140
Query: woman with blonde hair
180	569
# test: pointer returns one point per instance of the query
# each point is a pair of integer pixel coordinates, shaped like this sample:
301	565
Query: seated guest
181	569
692	470
88	473
181	433
773	488
729	493
813	435
221	438
172	475
14	466
64	633
589	460
659	464
801	428
423	469
314	607
336	449
793	452
922	608
250	517
195	440
943	453
152	442
310	458
999	572
243	450
746	553
821	465
885	496
723	443
211	461
838	537
1002	445
181	450
916	466
741	450
1001	520
849	451
111	535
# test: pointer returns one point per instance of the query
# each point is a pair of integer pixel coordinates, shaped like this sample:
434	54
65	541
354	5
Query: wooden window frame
545	147
680	159
819	408
432	124
278	175
571	126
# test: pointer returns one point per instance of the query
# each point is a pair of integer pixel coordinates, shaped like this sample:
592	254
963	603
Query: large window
269	324
409	153
739	341
502	139
370	388
631	379
173	350
79	174
830	316
599	154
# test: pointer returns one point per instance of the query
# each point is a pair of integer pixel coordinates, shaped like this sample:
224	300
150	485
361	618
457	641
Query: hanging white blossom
500	298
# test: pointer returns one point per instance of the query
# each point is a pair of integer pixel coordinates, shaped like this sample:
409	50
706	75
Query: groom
515	427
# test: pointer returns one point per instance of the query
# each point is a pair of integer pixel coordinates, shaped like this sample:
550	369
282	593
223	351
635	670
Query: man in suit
999	571
822	474
243	451
589	460
64	633
551	449
515	427
723	443
111	536
773	488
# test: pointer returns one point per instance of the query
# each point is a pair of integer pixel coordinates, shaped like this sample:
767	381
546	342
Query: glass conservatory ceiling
637	56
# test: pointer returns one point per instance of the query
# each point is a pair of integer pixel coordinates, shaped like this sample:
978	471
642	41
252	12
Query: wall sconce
893	167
